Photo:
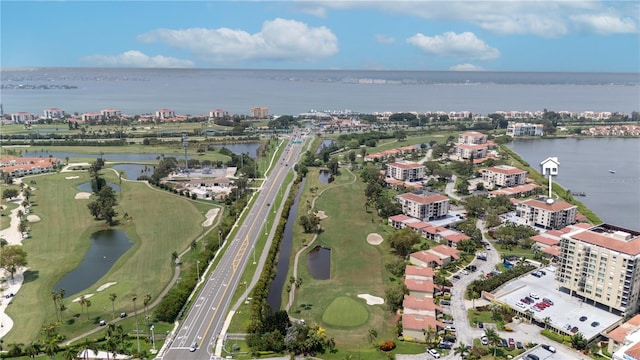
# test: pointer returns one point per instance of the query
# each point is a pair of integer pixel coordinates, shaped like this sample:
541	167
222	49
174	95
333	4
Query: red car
512	343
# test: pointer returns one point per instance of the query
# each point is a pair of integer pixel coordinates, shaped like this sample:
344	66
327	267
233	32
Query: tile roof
620	333
423	199
445	250
423	271
505	169
419	285
629	247
557	205
420	303
406	165
426	257
420	322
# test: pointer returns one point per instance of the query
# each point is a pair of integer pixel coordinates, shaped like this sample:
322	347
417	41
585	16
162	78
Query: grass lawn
356	266
345	311
59	241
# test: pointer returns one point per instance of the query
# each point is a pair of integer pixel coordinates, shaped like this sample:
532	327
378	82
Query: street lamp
153	340
198	269
135	312
219	238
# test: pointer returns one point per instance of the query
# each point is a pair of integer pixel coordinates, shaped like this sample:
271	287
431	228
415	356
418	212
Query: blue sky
505	35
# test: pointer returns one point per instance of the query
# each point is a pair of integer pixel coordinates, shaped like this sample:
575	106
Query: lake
584	167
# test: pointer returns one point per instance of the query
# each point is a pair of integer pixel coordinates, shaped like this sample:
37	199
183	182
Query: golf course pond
324	177
106	248
319	263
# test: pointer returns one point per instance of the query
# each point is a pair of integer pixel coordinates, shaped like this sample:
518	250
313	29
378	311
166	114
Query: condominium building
524	129
164	114
218	114
504	176
406	171
425	207
547	213
259	112
53	113
472	138
468	151
602	266
109	113
22	117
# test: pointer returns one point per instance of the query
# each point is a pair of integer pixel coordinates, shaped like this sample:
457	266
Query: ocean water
290	92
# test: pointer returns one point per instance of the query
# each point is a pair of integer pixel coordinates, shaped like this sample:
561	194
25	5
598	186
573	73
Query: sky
503	35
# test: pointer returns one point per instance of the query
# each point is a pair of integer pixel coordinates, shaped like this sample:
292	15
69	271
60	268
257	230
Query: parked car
434	353
450	328
505	343
456	276
548	348
542	272
445	302
536	274
520	304
534	296
481	325
583	318
574	329
512	343
519	345
464	272
532	357
445	345
484	340
595	324
548	301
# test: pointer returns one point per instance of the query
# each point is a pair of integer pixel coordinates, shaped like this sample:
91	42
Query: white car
534	296
484	340
434	353
464	272
521	305
450	328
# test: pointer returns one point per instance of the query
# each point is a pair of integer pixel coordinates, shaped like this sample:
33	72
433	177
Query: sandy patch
374	239
211	215
83	196
33	218
371	300
71	177
321	215
86	296
104	286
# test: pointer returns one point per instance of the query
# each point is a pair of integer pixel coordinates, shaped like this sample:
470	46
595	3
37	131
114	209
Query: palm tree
463	350
32	350
54	297
82	302
70	353
51	348
174	257
62	308
113	297
430	334
15	350
492	337
90	345
87	303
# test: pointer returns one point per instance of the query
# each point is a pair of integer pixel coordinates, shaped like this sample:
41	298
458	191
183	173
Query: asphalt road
205	319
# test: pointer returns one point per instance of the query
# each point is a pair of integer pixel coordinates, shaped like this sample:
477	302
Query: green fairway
158	223
345	312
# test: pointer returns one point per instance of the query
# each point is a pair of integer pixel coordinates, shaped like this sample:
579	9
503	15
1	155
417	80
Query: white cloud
466	67
134	58
384	39
605	24
278	40
464	46
540	18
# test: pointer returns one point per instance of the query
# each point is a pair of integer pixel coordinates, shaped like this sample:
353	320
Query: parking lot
567	313
561	353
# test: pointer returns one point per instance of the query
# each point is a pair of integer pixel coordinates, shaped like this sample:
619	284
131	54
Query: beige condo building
601	265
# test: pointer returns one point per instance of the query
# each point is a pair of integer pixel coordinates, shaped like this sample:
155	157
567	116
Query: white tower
550	168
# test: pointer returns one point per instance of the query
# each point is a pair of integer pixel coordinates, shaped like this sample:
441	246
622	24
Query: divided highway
204	322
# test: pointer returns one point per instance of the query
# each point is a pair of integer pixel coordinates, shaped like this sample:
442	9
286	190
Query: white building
504	176
22	117
524	129
547	213
164	114
472	138
425	206
53	113
110	113
405	170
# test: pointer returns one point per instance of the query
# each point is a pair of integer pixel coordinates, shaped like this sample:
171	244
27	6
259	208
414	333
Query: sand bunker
211	215
374	239
321	215
371	300
104	286
33	218
71	177
86	296
83	196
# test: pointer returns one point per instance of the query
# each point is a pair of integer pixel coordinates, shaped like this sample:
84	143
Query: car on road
583	318
194	346
434	353
595	324
548	348
123	315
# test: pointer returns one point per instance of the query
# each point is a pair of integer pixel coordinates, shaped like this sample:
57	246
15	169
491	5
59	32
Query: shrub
387	346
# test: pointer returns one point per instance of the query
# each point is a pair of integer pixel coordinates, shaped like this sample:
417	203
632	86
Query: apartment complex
524	129
259	112
504	176
53	113
405	171
602	265
547	213
425	207
472	138
164	114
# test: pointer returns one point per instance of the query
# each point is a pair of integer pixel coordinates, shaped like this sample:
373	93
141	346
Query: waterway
274	298
106	248
584	167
